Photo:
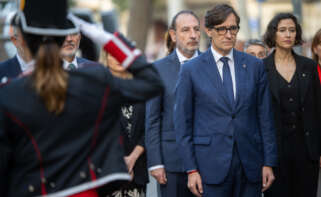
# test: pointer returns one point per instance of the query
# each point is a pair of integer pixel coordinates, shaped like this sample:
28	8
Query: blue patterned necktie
227	79
71	66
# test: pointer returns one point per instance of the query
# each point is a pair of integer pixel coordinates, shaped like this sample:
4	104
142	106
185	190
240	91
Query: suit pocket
202	140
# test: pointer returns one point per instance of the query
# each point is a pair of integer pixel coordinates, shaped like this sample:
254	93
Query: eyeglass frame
226	29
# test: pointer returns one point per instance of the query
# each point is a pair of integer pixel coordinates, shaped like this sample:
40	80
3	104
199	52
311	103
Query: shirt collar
66	63
23	65
217	56
182	58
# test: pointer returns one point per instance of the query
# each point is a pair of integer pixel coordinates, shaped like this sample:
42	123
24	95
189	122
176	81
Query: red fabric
89	193
319	71
192	171
115	51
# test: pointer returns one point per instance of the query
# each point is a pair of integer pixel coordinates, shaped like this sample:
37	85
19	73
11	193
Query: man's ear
13	38
172	34
208	32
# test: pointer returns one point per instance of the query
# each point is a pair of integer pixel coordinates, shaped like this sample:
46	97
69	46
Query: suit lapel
80	61
303	76
16	67
240	76
272	76
214	77
175	64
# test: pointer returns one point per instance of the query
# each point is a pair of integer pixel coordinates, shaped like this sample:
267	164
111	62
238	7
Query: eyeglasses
223	30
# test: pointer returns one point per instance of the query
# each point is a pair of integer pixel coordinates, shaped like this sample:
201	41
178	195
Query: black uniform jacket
310	100
59	155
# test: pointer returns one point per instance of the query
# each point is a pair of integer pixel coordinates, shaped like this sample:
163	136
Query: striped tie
71	66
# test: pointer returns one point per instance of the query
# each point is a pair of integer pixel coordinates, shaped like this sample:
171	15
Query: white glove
116	45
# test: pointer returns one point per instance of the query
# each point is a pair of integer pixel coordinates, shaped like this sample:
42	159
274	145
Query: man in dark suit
69	50
164	162
21	62
223	116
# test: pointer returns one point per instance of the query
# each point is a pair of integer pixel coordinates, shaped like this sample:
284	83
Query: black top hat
46	17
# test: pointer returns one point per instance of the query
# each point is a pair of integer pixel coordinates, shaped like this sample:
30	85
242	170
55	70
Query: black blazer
42	153
310	96
137	138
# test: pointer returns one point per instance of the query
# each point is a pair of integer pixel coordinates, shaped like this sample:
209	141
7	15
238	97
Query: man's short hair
189	12
254	42
219	14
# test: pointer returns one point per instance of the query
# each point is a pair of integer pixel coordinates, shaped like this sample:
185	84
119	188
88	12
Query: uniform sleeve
145	84
5	155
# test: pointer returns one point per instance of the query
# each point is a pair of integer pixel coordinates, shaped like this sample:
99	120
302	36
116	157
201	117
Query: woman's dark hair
272	28
316	40
219	14
169	43
48	78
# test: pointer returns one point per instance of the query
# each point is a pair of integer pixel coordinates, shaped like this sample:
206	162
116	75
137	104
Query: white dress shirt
182	58
25	67
219	64
66	63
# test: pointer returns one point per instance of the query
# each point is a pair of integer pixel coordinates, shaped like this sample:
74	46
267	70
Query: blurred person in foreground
164	163
296	101
223	117
132	121
256	48
316	50
59	131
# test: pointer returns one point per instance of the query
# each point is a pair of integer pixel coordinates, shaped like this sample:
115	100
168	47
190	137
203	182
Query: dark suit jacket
208	126
10	68
45	153
160	135
309	87
137	138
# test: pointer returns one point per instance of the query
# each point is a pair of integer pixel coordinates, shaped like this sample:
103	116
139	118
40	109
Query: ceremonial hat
45	17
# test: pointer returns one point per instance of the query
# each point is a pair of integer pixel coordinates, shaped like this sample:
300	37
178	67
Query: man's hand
267	178
320	161
195	184
160	175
